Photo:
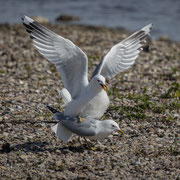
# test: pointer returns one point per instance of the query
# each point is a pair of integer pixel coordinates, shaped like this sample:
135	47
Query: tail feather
52	109
61	132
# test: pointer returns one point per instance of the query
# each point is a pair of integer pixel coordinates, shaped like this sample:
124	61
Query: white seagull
84	98
89	128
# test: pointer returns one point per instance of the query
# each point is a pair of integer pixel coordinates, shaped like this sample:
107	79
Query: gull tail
52	109
61	132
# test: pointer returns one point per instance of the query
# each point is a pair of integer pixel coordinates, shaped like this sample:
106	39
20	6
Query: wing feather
69	60
122	55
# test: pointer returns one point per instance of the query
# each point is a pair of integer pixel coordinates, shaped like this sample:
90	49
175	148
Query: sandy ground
144	101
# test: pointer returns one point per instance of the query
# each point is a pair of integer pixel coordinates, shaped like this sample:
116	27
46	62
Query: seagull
84	98
90	128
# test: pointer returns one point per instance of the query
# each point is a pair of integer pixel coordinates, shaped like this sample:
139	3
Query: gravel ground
144	101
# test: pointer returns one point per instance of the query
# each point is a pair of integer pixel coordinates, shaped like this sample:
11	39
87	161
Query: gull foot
80	119
93	148
89	145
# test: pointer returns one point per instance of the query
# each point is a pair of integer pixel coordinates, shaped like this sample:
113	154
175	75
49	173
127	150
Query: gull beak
104	86
122	132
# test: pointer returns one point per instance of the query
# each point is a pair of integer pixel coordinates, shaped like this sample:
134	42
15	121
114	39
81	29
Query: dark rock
6	148
65	17
164	38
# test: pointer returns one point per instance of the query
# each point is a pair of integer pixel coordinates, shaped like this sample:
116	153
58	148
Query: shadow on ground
36	147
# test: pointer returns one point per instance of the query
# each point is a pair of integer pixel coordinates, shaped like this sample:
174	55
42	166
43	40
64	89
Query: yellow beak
104	86
122	132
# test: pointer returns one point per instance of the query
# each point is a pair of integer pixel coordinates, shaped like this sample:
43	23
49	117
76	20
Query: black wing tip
51	109
147	28
23	17
151	26
26	19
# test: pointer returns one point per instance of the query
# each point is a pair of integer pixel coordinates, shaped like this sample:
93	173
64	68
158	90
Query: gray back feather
85	128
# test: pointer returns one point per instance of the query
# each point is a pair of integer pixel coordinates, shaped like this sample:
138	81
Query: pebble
58	163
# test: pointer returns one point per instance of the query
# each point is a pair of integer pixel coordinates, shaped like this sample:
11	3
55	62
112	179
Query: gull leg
89	145
79	140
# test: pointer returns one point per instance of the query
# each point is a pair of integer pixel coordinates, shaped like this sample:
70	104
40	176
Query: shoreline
163	37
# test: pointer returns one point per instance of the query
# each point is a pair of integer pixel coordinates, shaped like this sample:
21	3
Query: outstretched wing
70	61
122	55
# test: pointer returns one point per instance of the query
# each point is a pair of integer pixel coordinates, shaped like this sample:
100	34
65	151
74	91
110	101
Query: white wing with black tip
122	55
70	60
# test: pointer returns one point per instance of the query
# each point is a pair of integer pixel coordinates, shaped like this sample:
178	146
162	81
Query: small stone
100	147
24	157
5	134
58	163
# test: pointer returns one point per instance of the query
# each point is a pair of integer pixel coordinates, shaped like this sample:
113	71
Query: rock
24	157
40	19
5	134
164	38
6	148
58	163
100	147
65	17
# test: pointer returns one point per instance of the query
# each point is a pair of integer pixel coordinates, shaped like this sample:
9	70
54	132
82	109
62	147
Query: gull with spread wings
82	97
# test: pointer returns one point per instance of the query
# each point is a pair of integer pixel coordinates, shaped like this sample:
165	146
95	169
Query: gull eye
98	80
113	125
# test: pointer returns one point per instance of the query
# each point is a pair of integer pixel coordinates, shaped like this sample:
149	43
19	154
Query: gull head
109	126
99	82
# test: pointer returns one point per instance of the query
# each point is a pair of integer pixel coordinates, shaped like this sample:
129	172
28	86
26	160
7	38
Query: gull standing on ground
84	98
89	128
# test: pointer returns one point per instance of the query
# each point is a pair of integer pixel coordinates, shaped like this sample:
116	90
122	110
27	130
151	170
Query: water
129	14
